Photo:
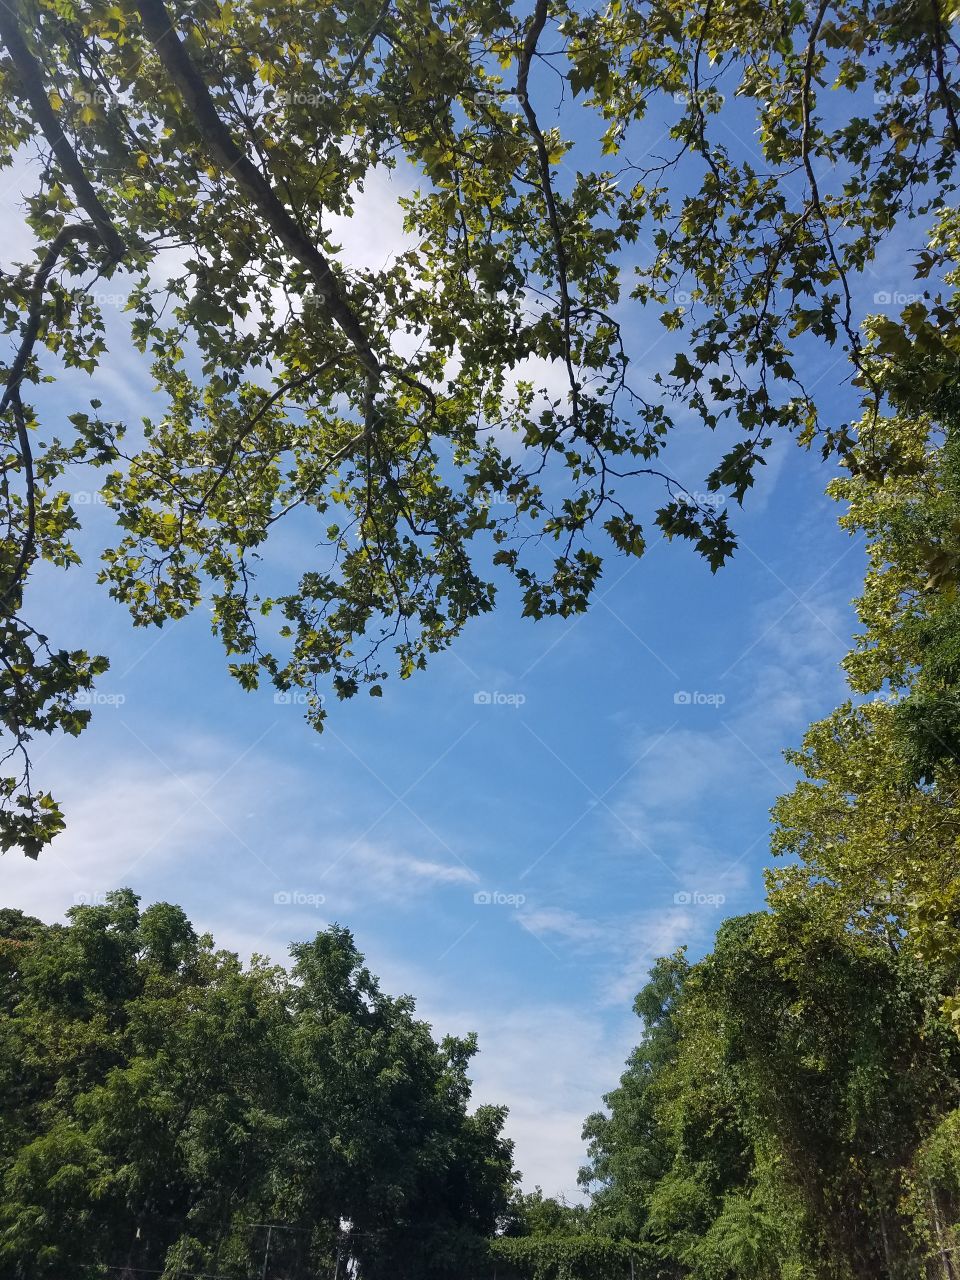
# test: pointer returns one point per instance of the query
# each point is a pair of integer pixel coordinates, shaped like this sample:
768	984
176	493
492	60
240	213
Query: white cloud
568	925
374	235
680	768
123	823
201	821
625	946
551	1065
364	870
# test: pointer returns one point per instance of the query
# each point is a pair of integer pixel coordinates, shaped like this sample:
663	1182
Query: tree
535	1214
627	1148
162	1101
234	133
854	1029
799	1123
874	822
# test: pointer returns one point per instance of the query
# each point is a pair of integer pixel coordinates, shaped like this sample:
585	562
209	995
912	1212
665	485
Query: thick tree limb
534	31
224	150
31	79
946	93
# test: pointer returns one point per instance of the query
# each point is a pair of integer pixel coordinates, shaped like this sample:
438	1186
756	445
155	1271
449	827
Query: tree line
161	1101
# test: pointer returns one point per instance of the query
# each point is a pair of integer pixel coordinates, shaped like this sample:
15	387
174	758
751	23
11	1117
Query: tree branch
268	404
11	392
31	78
224	150
852	335
534	31
64	237
945	91
27	546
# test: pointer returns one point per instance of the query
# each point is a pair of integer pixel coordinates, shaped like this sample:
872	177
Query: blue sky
582	797
514	835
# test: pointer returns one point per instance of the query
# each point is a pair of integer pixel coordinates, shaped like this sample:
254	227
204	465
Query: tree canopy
793	1108
402	413
777	1119
164	1104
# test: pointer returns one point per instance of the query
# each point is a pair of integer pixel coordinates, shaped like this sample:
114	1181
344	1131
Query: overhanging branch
11	391
31	79
227	154
534	31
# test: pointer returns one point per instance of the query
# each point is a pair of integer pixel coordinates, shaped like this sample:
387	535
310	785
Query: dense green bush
584	1257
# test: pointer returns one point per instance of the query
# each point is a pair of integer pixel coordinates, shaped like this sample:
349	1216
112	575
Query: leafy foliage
399	412
874	820
792	1108
808	1075
583	1257
161	1101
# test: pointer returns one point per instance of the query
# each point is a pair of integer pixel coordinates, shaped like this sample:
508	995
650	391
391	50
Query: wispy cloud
387	873
128	823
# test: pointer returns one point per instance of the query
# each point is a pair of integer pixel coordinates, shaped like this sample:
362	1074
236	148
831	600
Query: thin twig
11	392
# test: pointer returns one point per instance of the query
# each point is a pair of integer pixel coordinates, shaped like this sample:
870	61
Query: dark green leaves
161	1098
